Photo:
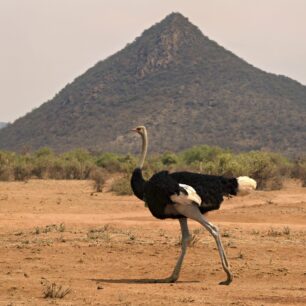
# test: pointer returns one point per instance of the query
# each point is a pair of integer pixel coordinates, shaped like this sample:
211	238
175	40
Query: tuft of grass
131	236
199	231
286	230
61	228
275	233
193	240
54	291
186	300
107	233
255	232
226	234
240	255
102	233
61	239
50	228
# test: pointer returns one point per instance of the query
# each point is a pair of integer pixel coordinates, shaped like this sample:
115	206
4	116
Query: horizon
45	46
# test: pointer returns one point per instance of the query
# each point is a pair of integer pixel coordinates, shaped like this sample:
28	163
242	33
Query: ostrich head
141	130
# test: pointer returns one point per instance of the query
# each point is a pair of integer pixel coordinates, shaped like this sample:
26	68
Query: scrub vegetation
267	168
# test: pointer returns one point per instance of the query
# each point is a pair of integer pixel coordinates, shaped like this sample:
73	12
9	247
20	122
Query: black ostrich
183	195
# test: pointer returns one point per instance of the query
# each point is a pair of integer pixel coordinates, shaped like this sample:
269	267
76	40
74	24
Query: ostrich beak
133	130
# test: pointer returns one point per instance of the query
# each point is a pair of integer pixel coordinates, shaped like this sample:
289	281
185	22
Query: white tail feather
246	184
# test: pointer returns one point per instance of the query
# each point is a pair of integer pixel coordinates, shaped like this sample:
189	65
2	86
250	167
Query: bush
299	170
169	159
198	154
6	166
122	186
6	173
268	169
22	170
98	177
127	163
57	169
77	164
109	161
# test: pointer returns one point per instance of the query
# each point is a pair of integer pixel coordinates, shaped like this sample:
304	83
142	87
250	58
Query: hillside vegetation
269	169
184	87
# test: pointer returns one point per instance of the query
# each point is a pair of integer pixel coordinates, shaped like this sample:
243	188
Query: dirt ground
105	248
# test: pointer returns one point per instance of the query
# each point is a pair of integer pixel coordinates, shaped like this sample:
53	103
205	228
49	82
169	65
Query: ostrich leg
185	239
215	233
191	211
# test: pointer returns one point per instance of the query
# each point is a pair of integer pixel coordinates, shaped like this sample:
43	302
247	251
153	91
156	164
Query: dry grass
275	233
102	233
107	233
50	228
54	291
193	240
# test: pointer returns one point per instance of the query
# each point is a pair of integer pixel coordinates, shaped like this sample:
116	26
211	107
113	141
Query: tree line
269	169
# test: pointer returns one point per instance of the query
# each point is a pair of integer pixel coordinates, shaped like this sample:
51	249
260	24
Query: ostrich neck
144	137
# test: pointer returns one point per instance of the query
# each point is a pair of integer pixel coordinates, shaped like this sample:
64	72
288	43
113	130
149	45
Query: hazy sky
47	43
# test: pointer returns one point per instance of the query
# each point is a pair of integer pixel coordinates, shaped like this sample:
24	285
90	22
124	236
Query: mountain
183	86
2	124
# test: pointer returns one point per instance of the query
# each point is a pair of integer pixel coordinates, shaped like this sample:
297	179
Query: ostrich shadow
137	281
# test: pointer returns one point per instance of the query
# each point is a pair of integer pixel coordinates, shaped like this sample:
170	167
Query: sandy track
105	248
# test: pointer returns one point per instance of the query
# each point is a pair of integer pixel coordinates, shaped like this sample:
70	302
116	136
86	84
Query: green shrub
6	173
43	152
109	161
268	169
169	159
122	186
202	153
57	169
98	176
77	164
299	170
127	163
153	165
22	170
6	166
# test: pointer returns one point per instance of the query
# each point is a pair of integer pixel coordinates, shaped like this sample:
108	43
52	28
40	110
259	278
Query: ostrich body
183	195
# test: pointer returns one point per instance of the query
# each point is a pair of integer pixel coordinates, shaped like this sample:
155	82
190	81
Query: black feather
157	194
137	183
210	188
157	190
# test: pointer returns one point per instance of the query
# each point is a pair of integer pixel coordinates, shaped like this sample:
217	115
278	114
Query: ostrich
183	195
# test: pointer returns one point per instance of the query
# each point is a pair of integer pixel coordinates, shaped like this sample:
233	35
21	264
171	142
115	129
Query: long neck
143	155
137	183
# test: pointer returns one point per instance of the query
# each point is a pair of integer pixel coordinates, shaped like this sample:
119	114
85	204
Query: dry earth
105	247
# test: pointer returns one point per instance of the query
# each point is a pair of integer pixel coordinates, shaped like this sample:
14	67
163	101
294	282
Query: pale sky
45	44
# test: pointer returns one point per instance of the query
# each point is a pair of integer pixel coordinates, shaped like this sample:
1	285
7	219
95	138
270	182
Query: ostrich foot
228	280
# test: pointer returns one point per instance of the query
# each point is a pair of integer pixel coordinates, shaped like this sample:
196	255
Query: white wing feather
190	197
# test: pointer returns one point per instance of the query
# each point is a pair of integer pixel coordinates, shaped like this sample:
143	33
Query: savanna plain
63	244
